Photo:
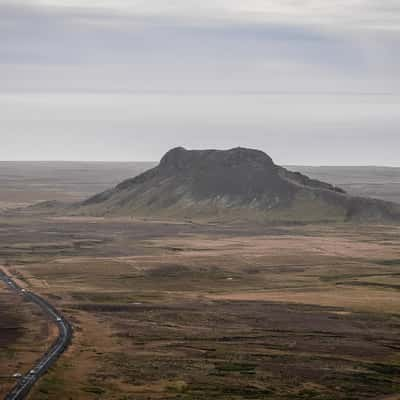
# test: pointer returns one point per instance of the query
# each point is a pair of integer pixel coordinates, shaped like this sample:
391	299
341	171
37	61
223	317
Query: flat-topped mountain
236	183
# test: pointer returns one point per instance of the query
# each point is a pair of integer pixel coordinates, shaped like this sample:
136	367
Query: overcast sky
307	81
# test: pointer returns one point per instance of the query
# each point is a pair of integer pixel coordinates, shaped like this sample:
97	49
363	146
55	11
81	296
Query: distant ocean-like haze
294	128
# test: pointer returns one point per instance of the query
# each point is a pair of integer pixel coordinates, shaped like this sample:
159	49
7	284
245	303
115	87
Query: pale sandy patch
358	299
273	245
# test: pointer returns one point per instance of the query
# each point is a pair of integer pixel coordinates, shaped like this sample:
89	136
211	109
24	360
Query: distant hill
236	183
366	181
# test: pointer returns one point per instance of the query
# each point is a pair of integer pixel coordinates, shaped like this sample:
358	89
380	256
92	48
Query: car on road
58	319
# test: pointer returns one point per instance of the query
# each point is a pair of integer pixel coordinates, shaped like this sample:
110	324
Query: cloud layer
225	45
370	14
211	48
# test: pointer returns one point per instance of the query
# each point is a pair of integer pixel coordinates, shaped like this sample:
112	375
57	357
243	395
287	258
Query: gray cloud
167	52
357	14
197	76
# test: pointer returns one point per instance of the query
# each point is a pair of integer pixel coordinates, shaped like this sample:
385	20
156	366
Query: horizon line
317	165
200	92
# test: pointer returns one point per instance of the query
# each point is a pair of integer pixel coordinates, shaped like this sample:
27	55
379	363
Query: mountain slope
242	183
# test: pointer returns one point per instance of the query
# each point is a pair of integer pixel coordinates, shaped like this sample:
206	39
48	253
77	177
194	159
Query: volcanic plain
202	309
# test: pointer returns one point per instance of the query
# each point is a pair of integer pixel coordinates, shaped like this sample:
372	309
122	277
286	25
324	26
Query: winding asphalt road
26	382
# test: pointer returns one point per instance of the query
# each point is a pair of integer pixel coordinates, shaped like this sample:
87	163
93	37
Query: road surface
26	382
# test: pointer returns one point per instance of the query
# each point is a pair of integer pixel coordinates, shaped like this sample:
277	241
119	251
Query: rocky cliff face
240	183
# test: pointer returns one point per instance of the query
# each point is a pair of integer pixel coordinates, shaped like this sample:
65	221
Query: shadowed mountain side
236	183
